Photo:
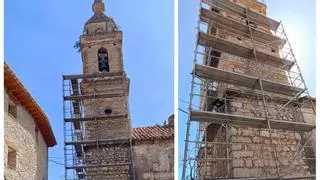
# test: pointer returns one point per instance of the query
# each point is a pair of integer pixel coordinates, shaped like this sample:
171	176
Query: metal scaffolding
271	84
77	118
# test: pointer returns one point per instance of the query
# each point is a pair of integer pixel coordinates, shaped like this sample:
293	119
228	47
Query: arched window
103	60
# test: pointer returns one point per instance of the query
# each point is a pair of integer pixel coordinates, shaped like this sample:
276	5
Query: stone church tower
101	130
100	142
101	51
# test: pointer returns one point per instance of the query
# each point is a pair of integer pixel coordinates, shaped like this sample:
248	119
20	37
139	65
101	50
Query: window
108	111
213	31
12	109
103	60
214	9
12	157
215	57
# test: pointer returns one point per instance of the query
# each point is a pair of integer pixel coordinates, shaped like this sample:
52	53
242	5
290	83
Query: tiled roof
153	133
16	88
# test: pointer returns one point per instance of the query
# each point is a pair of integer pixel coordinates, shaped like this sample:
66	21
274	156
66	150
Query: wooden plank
101	141
244	80
222	22
239	50
254	122
256	18
91	96
94	75
93	118
99	165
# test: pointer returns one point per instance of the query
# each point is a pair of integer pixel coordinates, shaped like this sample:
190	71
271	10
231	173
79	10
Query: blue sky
298	20
39	39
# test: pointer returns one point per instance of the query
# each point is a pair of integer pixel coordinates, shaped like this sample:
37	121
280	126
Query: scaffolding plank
237	49
94	75
244	80
101	141
309	177
93	118
220	21
92	96
220	118
99	165
254	17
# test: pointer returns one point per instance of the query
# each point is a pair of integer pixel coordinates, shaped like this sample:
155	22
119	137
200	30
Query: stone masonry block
242	154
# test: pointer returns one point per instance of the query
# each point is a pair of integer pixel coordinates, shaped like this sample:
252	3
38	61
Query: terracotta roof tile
152	133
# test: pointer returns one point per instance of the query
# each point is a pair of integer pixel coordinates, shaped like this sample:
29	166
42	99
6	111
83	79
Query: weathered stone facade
109	154
154	152
20	134
240	151
26	147
154	159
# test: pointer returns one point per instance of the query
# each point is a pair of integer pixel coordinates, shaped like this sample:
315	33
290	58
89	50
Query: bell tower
101	129
101	43
101	51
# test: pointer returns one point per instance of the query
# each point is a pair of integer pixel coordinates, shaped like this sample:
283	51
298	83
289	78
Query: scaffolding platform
94	118
220	21
254	122
100	165
309	177
236	49
244	80
93	96
254	17
94	75
100	141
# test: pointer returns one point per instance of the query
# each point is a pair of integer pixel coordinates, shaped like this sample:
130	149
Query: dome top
99	22
98	7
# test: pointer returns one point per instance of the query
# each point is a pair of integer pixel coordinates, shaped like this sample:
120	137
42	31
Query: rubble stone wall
31	149
154	160
108	155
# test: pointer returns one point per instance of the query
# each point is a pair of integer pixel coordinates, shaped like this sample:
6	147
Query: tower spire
98	7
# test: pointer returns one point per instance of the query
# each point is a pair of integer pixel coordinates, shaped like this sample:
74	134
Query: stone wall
32	153
105	155
213	159
90	44
106	127
154	160
253	68
253	5
251	154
